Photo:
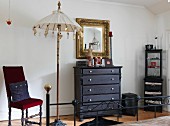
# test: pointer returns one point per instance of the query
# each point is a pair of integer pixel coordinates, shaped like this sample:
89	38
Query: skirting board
16	113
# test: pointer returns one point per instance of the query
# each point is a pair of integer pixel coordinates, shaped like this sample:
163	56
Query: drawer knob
89	109
89	89
112	79
90	79
112	88
90	100
112	98
112	70
90	71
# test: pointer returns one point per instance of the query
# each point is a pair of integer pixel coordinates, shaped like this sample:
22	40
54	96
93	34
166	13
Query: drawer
101	79
100	106
152	95
100	109
100	89
153	87
101	71
92	98
100	113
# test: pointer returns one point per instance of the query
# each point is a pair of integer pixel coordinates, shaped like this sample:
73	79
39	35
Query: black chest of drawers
94	84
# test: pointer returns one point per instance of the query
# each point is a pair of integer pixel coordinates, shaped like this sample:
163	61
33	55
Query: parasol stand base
58	122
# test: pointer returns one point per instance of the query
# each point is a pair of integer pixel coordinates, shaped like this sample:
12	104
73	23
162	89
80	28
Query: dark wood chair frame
24	120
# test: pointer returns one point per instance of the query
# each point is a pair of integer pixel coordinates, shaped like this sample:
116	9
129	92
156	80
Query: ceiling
155	6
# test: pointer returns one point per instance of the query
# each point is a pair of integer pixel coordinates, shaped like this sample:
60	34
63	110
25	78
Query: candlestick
156	42
110	34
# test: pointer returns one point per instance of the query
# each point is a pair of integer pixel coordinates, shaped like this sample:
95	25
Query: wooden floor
69	118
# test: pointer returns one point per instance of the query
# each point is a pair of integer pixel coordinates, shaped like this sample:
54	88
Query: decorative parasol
59	22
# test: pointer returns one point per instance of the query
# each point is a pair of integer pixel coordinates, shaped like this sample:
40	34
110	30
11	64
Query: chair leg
26	113
26	117
9	117
22	118
40	115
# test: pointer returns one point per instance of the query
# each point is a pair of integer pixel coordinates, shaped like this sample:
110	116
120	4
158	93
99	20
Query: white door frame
167	66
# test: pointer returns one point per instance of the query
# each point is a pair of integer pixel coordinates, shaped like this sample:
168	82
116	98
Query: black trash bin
129	100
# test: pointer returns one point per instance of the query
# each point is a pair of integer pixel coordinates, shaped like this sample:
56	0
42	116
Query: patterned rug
159	121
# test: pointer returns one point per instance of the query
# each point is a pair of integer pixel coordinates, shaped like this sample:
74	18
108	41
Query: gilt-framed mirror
95	34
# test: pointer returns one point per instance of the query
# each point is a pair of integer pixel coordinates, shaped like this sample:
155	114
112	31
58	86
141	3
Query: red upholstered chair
12	75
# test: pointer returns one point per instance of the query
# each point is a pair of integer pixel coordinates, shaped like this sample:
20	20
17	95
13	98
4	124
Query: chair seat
27	103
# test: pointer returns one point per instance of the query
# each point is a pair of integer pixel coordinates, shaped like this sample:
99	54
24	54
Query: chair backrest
12	74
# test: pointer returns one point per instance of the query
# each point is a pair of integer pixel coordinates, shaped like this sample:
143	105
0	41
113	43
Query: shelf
155	67
151	83
152	76
153	101
153	93
153	59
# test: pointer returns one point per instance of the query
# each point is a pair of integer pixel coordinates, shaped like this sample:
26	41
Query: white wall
163	30
132	27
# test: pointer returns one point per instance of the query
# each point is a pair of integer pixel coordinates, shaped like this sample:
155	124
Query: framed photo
81	63
97	61
153	64
108	63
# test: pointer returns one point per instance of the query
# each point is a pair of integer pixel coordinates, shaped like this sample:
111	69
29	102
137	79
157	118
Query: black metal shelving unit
153	82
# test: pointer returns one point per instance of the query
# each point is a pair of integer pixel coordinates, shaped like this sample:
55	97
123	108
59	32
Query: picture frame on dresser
98	61
81	63
108	62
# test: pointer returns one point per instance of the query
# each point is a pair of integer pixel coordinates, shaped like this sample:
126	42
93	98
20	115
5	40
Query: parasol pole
58	49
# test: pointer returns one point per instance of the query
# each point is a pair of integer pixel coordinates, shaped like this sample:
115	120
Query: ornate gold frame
105	24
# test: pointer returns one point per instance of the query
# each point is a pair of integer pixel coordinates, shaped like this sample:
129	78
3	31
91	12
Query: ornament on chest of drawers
108	63
97	61
90	56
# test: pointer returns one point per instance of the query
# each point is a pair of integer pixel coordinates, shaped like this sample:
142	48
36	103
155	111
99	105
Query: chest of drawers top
98	70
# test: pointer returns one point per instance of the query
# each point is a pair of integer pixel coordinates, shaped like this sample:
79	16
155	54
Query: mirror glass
93	37
95	34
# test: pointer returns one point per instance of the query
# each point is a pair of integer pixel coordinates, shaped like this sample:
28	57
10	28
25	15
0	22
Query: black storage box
149	47
81	63
129	100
